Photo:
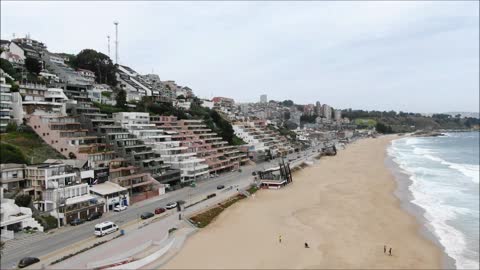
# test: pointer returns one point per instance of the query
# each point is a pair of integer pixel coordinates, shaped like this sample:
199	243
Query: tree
287	103
23	200
121	99
97	62
33	65
7	67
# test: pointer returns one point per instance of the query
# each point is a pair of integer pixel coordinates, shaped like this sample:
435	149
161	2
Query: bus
104	228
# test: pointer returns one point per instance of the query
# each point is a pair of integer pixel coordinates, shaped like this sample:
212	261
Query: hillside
25	147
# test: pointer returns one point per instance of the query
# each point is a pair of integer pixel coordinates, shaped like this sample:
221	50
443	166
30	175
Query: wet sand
343	206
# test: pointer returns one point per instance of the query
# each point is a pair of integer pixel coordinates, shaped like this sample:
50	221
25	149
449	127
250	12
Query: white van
105	228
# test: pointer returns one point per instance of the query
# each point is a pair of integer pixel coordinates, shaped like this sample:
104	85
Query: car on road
146	215
27	261
94	215
171	205
120	208
159	210
254	173
220	187
76	221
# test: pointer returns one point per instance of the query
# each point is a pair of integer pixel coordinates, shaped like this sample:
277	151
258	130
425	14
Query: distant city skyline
404	56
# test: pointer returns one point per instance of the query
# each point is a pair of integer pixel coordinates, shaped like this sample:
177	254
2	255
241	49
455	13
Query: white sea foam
431	194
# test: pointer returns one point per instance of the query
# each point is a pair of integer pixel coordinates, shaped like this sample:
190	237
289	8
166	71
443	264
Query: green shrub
23	200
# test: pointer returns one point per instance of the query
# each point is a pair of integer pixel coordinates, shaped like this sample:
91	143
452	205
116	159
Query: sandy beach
343	206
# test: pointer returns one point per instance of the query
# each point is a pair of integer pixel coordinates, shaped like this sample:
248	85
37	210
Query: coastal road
66	236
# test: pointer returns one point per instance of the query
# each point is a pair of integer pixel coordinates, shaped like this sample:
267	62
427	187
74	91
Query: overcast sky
402	55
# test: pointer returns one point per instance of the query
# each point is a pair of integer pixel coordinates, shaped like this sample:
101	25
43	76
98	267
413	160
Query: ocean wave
433	194
469	170
437	212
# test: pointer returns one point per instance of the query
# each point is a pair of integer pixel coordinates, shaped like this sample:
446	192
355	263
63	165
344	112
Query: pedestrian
306	245
390	252
280	239
384	249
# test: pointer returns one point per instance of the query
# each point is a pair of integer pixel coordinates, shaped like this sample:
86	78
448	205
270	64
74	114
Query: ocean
444	175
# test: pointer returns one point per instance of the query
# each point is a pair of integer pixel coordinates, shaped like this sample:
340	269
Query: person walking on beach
384	249
306	245
390	252
280	239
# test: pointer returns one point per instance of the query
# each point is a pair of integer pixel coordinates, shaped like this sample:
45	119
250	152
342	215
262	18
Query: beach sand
343	207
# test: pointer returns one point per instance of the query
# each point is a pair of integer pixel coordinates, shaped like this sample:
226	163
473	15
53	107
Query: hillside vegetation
408	122
25	147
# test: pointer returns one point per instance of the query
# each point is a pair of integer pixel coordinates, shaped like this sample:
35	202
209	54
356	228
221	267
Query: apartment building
195	135
5	104
57	189
12	178
150	170
172	153
263	142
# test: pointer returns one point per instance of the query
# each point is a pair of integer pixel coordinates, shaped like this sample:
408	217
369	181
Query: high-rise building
338	115
318	108
327	111
263	99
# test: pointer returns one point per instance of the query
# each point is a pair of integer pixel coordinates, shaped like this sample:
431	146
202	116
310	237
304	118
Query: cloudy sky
403	55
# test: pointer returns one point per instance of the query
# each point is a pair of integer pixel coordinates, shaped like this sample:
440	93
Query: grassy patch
365	122
203	219
30	145
108	109
252	189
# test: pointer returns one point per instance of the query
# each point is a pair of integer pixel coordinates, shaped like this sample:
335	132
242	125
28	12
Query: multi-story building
12	178
309	109
178	157
5	104
151	169
87	74
318	108
207	144
327	112
58	190
263	99
39	100
338	115
263	142
132	82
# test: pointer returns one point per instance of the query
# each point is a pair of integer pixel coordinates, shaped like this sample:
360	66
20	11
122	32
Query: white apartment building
178	157
5	104
56	189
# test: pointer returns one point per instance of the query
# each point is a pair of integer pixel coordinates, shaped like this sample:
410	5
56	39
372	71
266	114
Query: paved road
70	235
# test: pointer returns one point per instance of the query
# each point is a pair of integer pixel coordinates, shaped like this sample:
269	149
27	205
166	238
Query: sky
413	56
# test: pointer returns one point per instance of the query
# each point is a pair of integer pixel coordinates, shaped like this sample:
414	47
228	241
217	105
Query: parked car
146	215
120	208
159	210
220	187
254	173
27	261
94	215
171	205
76	222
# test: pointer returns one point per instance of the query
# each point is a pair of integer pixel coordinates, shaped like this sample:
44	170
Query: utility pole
116	41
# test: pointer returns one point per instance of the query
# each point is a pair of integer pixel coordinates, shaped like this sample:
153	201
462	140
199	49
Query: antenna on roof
116	41
108	38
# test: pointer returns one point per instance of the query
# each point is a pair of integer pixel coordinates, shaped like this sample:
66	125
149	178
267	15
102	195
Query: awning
107	188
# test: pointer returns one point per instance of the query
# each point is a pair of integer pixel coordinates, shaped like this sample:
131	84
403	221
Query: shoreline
405	196
326	225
